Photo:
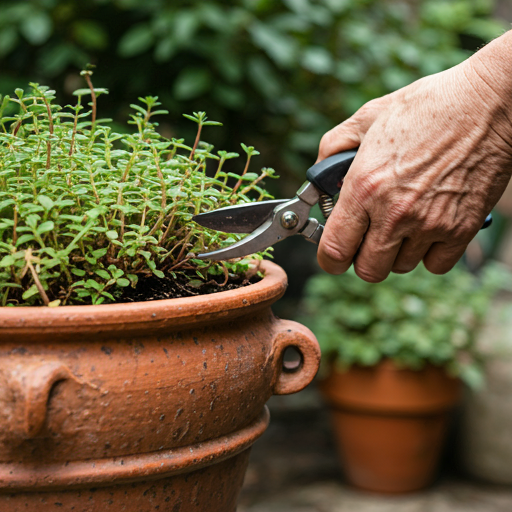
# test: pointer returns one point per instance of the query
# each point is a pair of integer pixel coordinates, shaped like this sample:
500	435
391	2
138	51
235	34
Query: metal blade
243	218
273	230
259	240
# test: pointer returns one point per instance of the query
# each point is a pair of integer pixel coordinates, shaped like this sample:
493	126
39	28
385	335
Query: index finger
343	234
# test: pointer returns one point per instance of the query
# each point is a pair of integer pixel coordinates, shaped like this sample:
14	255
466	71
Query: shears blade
278	219
242	218
259	240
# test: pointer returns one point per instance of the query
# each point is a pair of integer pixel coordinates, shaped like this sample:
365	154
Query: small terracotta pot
390	423
131	407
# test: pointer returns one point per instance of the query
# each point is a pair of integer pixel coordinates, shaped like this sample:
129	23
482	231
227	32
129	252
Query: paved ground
294	468
452	496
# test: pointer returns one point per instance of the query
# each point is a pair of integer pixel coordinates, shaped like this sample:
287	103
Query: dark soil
155	288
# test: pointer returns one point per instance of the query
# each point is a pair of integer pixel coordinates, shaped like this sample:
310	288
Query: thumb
350	133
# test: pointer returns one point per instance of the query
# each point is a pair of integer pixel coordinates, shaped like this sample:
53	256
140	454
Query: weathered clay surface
110	381
211	489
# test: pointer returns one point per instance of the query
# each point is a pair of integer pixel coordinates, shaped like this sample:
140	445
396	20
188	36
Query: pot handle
36	385
293	378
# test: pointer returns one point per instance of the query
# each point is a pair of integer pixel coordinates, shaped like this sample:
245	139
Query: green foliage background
277	74
413	319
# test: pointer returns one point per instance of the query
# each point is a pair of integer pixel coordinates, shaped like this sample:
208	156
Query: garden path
294	468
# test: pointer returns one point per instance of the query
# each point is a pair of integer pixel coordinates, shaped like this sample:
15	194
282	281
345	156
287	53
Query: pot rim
145	317
18	477
385	388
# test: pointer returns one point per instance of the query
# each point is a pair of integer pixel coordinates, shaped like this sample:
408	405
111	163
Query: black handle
328	175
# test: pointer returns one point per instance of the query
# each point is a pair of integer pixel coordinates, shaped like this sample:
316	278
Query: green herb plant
412	319
86	211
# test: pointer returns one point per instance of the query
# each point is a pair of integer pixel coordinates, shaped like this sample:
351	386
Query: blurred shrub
413	318
278	74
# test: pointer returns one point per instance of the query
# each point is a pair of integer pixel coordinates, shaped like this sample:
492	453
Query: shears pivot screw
289	220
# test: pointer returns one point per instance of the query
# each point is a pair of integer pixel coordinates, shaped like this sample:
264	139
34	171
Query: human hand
434	159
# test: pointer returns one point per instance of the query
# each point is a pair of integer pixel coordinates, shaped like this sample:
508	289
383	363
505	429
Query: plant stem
50	128
93	96
73	135
163	202
196	142
35	277
251	186
14	234
239	182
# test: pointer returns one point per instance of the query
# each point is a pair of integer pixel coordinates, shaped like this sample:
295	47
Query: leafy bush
279	73
412	319
86	211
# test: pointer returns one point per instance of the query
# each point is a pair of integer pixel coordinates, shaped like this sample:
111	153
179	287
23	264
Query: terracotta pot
390	423
159	401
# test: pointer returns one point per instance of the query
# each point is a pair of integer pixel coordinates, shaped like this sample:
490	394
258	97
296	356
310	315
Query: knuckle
448	228
438	267
466	230
370	108
403	269
332	251
369	275
439	224
368	185
401	210
325	144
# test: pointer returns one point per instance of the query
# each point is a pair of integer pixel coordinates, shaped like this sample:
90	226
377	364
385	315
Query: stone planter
135	407
390	423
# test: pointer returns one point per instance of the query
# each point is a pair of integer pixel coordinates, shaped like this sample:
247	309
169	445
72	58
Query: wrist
494	63
490	73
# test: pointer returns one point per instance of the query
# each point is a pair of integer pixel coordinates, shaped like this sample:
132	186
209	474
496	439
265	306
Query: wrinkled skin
434	159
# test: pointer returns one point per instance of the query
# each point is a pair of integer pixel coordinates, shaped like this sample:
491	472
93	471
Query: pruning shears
269	222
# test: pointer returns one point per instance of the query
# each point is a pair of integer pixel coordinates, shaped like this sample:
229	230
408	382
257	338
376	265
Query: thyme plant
86	211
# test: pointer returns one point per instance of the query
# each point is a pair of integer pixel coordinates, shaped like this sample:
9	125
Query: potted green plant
396	357
110	399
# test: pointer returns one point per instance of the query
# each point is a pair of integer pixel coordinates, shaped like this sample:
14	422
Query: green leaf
94	213
137	40
99	253
87	92
317	60
107	295
112	235
24	239
280	47
30	292
123	282
102	273
45	202
191	83
90	34
90	283
45	227
36	27
7	261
